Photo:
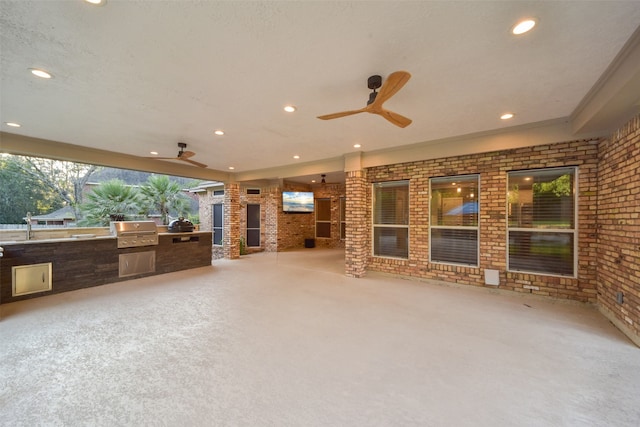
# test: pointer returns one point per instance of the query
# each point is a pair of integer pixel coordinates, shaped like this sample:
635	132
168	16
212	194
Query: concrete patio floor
287	340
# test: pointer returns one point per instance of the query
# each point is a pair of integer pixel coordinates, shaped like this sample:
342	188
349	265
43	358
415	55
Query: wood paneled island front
78	263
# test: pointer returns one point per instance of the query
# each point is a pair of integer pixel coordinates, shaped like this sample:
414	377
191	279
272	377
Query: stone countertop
81	237
182	233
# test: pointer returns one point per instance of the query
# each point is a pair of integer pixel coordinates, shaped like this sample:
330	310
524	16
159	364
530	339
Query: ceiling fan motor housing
374	82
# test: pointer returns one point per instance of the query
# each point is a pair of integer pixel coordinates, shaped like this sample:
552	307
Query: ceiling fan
184	156
393	84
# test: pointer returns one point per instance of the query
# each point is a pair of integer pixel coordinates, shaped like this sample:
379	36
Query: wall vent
491	277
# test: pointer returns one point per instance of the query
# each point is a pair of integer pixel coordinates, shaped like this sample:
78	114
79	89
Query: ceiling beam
293	170
35	147
615	97
547	132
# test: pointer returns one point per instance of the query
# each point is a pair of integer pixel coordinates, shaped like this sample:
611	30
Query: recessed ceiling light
96	2
153	153
313	180
507	116
289	108
231	168
296	157
40	73
219	132
523	26
357	145
12	124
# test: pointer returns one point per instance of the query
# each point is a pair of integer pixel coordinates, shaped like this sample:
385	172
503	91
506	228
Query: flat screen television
297	201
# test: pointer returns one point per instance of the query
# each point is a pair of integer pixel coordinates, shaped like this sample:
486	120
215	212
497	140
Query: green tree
66	179
559	187
161	195
112	197
22	192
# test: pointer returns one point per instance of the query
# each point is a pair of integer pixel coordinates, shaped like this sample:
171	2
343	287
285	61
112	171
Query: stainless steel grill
132	234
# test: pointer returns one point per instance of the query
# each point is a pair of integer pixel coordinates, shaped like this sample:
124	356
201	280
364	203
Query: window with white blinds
391	219
453	225
542	221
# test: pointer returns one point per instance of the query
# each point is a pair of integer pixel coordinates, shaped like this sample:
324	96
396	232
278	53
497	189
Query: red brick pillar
357	224
231	239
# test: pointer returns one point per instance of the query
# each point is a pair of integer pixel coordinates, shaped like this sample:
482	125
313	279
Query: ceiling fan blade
395	118
193	162
390	87
342	114
186	154
162	158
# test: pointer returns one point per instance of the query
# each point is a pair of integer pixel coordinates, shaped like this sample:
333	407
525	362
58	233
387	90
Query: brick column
231	239
357	224
271	206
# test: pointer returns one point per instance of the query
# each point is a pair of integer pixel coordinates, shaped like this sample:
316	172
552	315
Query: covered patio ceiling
132	77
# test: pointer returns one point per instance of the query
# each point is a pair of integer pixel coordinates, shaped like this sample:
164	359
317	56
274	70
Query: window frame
259	228
574	230
476	228
322	221
406	226
214	228
343	218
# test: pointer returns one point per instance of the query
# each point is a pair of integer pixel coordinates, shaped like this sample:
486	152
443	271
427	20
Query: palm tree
109	198
161	195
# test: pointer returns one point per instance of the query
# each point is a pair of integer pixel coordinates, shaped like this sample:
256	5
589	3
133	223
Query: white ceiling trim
615	97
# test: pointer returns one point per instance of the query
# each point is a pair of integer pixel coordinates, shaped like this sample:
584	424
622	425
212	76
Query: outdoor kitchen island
62	265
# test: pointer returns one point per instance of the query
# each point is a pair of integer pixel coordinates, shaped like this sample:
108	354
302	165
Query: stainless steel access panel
137	263
30	279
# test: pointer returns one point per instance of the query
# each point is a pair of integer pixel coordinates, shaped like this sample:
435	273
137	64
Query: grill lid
180	225
123	228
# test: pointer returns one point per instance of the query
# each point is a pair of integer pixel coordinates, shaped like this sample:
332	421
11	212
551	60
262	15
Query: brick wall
492	169
204	210
293	229
272	201
332	192
231	225
279	231
205	202
618	242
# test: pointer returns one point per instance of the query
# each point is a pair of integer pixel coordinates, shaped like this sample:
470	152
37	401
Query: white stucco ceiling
136	76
